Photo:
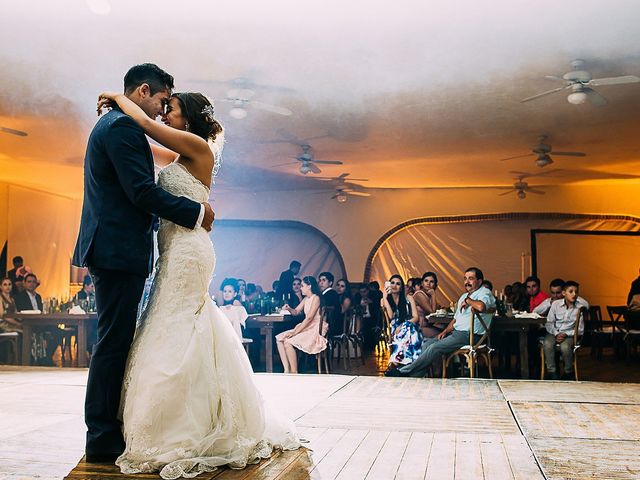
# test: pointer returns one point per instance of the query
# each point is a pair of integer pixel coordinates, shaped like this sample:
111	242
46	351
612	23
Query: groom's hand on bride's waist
207	221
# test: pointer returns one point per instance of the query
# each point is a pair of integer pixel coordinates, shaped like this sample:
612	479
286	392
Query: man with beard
456	334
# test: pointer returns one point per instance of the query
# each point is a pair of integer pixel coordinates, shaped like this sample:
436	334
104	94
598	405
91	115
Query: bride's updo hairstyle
198	112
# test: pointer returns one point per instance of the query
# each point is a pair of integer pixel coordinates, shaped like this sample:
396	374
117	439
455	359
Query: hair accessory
208	112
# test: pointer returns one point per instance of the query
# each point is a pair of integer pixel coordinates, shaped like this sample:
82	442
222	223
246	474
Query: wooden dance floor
365	428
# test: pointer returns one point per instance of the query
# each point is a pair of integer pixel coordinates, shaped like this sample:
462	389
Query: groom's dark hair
148	73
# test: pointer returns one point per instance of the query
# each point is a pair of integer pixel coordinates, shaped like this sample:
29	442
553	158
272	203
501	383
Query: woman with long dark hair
425	299
403	318
306	335
344	294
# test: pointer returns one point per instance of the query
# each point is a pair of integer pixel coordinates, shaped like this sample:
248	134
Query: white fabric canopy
603	265
258	251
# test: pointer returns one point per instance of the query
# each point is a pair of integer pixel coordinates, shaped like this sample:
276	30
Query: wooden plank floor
364	428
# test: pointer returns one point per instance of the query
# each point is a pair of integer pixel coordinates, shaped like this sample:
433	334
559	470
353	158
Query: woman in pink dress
306	335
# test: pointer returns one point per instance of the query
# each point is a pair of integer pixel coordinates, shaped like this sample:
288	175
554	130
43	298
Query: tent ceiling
407	94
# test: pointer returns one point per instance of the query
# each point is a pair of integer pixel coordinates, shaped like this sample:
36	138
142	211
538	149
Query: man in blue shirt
456	334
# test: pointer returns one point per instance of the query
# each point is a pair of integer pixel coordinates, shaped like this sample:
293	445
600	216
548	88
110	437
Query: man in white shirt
560	327
456	334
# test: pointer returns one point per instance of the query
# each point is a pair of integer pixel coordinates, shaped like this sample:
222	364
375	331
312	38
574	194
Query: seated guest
29	299
535	295
274	290
362	305
519	298
413	285
425	300
13	274
632	316
331	299
295	297
555	291
375	294
242	291
406	338
560	326
7	307
88	290
229	290
344	294
305	336
456	334
487	284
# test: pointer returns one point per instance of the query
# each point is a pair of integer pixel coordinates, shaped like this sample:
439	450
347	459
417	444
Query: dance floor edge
364	428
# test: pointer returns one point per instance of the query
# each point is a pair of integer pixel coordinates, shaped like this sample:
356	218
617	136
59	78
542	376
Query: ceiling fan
342	179
240	98
11	131
308	162
342	193
543	152
343	188
579	81
521	187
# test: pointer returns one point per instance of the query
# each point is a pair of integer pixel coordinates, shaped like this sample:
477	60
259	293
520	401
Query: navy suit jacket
121	197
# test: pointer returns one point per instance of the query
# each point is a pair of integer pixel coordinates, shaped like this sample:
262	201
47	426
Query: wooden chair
580	315
12	339
341	341
616	320
356	338
596	333
382	333
630	332
474	350
323	356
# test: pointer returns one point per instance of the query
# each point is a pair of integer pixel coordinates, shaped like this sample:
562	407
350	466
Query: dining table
33	321
521	324
266	323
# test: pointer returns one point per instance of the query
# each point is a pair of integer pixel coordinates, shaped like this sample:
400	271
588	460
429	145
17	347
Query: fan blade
359	194
271	108
505	193
548	92
570	154
595	98
283	164
554	77
13	132
314	168
517	156
533	190
596	82
335	196
328	162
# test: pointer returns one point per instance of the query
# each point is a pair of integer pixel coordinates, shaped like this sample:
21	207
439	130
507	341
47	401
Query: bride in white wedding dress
189	403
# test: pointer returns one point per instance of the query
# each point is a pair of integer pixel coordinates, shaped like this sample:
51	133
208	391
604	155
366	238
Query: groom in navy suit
116	243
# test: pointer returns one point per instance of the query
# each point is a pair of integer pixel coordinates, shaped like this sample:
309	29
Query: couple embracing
171	391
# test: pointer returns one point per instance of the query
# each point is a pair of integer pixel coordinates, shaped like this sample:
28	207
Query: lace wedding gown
189	403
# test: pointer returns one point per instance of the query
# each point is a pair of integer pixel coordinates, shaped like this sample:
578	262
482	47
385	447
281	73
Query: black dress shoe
101	457
552	376
395	372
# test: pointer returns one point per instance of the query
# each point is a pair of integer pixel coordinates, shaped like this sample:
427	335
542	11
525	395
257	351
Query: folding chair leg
319	364
326	364
541	363
575	365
